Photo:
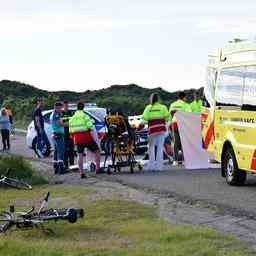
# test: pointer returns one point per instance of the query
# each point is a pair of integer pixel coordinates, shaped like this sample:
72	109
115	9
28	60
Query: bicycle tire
70	214
5	221
5	216
60	214
13	183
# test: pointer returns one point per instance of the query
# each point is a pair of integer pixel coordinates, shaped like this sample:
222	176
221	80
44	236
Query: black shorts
92	146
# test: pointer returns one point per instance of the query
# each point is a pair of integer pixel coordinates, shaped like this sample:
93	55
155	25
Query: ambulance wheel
234	176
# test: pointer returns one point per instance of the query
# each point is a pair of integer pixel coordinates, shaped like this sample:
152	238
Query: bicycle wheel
17	184
71	215
5	216
5	221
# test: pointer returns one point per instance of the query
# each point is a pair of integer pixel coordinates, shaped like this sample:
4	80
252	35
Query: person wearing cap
38	119
156	115
197	104
69	154
83	133
57	126
179	105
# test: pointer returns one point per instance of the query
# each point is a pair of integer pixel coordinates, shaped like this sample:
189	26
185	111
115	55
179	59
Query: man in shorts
83	133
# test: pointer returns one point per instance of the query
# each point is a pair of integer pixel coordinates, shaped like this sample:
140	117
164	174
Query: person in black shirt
42	139
68	142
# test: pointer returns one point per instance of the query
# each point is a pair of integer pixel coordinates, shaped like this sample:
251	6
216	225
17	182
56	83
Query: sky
91	44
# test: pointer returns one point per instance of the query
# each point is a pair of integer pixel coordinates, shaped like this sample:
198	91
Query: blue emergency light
90	105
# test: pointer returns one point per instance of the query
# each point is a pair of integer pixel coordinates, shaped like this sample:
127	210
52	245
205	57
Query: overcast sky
91	44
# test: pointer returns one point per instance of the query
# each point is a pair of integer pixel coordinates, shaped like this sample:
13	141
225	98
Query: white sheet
195	156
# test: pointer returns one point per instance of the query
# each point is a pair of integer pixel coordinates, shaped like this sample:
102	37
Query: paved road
203	185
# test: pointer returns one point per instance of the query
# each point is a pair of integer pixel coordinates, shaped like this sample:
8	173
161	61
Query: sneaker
175	163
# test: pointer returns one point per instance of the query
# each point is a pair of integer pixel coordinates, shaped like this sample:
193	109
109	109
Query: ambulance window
209	89
250	87
230	87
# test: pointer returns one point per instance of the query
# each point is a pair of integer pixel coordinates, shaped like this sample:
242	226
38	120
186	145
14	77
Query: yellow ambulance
229	122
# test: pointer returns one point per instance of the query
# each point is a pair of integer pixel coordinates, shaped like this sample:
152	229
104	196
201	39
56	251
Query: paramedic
84	136
196	104
156	115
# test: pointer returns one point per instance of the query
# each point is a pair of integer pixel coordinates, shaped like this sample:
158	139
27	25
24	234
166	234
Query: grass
21	169
22	124
110	227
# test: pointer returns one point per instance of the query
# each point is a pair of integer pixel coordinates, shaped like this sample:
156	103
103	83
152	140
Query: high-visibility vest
156	116
179	105
80	122
196	106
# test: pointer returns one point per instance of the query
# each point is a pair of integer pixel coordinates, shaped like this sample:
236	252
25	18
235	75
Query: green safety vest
156	116
180	105
155	111
196	106
80	122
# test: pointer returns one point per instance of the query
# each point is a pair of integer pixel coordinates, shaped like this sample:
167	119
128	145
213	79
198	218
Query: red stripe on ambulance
209	135
253	163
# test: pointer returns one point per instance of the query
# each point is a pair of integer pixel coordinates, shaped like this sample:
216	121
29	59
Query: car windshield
95	113
99	113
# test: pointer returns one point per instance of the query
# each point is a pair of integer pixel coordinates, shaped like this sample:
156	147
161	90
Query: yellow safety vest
179	105
156	116
80	122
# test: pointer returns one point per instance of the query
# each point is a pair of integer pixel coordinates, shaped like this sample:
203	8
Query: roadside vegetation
131	98
19	168
110	227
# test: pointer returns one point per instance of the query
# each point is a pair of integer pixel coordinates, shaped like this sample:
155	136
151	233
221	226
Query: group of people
158	116
68	129
6	125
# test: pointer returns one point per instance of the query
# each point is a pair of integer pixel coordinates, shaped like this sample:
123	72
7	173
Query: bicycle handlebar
44	203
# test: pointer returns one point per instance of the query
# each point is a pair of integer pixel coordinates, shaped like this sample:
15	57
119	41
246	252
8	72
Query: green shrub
18	167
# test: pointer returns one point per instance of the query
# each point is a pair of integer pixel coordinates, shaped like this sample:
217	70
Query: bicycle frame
2	178
32	219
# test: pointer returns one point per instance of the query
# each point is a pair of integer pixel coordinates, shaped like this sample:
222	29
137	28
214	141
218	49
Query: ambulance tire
234	176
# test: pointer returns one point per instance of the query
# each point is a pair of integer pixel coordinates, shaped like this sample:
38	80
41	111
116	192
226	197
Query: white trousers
156	141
